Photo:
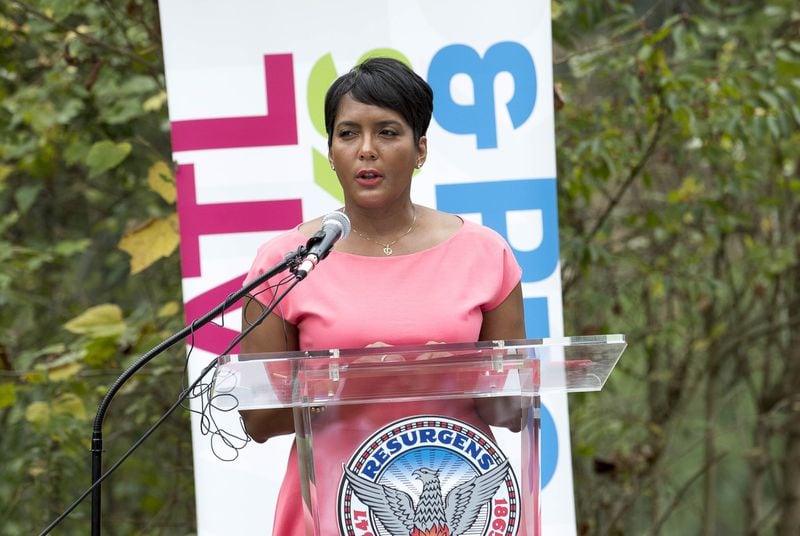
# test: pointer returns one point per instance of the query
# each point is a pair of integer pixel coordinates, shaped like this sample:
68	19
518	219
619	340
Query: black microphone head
338	219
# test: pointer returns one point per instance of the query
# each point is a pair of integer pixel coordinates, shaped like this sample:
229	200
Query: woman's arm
272	335
504	322
507	320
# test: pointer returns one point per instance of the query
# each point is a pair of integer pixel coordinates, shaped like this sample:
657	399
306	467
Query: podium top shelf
527	367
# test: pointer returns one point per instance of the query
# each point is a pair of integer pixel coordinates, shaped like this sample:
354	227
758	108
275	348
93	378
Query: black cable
208	424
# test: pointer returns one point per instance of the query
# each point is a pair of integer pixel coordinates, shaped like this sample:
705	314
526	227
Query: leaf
8	395
70	404
75	152
9	220
665	30
38	413
770	99
99	321
26	196
684	116
644	53
71	247
64	371
555	9
34	377
62	8
121	110
657	287
37	469
136	85
152	241
50	350
155	103
106	155
162	181
5	171
169	309
690	189
99	351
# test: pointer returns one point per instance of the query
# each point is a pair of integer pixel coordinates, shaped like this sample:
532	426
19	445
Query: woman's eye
388	132
346	133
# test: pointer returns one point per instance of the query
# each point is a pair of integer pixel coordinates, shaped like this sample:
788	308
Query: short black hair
384	82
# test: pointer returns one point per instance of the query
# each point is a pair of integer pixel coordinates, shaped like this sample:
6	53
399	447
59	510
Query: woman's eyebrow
385	123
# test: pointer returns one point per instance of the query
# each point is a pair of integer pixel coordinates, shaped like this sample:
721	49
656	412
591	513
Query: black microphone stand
290	262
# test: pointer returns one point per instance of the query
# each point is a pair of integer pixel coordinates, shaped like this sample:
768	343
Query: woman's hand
389	357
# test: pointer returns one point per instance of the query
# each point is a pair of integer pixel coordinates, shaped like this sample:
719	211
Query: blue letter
478	118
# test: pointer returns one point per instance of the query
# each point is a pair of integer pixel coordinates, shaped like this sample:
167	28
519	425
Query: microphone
335	226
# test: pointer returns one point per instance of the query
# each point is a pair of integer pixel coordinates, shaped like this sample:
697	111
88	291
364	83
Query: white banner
246	81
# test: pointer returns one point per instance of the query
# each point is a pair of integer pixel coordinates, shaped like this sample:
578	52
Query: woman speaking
406	274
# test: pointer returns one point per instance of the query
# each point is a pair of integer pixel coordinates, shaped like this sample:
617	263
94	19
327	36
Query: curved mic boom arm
290	262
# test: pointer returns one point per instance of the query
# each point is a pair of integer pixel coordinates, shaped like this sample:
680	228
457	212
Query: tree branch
634	173
676	499
151	68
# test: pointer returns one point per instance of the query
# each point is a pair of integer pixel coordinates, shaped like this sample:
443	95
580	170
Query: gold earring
333	168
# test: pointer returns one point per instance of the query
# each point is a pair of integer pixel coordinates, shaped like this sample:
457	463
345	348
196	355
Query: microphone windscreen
338	218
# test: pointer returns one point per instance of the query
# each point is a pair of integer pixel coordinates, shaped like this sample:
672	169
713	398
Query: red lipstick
368	177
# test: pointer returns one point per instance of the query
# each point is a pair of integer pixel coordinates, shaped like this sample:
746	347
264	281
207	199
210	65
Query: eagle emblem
468	486
433	515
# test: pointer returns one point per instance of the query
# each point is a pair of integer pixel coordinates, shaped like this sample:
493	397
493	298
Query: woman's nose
367	149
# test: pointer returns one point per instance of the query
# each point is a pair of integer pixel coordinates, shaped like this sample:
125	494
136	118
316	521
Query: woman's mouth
368	177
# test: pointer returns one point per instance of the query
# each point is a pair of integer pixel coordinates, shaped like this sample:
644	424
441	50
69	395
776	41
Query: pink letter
221	218
278	127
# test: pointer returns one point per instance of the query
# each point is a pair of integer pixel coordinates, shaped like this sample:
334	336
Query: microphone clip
335	226
293	259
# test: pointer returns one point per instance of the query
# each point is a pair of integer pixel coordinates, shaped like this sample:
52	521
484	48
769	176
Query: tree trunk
758	471
790	494
790	520
709	483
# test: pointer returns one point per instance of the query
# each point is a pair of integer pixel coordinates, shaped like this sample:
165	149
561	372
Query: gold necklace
387	248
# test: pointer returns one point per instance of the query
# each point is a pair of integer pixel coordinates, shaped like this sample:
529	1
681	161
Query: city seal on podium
428	476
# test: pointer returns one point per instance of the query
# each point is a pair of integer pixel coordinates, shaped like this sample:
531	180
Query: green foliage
82	124
678	169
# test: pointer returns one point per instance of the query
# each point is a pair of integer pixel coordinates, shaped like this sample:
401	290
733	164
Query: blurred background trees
678	152
84	142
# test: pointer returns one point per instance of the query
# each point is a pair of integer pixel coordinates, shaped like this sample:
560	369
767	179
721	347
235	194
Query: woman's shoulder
280	244
444	227
308	228
479	231
478	241
439	227
274	250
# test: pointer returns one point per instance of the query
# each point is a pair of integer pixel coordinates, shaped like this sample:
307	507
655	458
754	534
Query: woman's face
374	154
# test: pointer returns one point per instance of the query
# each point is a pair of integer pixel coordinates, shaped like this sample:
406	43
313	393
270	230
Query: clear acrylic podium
395	441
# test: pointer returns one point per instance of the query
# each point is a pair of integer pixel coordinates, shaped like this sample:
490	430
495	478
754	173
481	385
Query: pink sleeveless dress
351	301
